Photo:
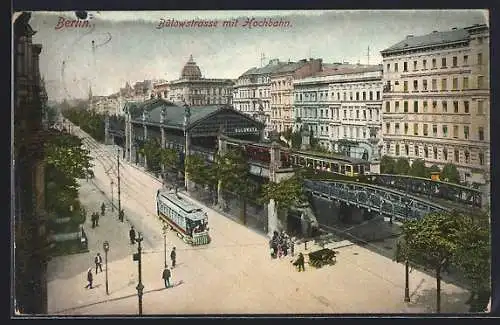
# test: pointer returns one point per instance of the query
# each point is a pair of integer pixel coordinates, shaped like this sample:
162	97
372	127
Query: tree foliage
170	158
402	166
287	193
418	169
152	151
89	121
450	174
387	165
234	171
201	172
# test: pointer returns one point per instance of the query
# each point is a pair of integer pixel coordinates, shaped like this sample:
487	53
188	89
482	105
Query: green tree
418	169
387	165
402	166
296	138
202	173
233	173
450	174
434	169
170	158
152	151
431	243
472	258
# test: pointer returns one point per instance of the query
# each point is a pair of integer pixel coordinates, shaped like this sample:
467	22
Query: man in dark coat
98	262
131	235
92	218
90	278
173	256
300	262
166	276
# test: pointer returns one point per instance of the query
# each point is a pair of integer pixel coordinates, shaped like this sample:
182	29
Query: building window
364	114
466	83
407	150
387	128
371	95
415	129
455	106
396	128
466	107
415	107
481	158
467	156
480	107
455	62
405	106
455	131
406	128
481	133
350	95
345	96
443	84
387	107
338	96
435	152
378	95
426	152
415	150
424	64
364	95
414	65
425	106
445	131
397	149
466	132
455	83
434	130
434	65
445	106
445	154
466	59
345	114
434	84
395	67
480	58
425	130
405	86
434	106
457	155
388	67
357	95
405	66
415	84
388	148
396	107
424	84
357	114
443	63
480	80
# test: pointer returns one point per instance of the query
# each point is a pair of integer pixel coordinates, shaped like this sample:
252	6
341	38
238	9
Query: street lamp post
137	257
165	244
407	266
112	198
105	245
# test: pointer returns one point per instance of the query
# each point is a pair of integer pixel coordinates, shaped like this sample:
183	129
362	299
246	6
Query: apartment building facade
436	100
342	109
252	92
282	90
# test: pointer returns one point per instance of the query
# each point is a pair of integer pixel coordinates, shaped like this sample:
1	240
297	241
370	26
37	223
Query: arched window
481	158
457	155
416	150
445	154
467	156
397	149
435	151
426	152
407	150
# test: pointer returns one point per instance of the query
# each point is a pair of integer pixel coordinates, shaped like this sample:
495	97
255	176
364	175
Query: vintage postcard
251	162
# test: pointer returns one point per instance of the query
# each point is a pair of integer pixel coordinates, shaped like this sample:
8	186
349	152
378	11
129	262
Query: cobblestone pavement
234	274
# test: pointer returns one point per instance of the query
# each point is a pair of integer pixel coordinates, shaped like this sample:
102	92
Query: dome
191	70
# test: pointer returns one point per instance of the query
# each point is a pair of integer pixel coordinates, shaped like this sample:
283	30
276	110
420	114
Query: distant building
160	90
341	106
436	99
193	89
282	89
252	92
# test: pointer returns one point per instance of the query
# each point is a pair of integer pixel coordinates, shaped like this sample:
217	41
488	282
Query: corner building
436	100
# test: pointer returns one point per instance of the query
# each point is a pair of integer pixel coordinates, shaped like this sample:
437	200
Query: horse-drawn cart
322	257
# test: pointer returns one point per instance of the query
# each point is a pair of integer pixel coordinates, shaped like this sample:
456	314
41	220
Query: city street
233	274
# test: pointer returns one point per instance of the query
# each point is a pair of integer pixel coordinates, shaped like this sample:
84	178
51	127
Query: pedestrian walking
131	235
92	218
97	219
103	209
173	256
90	278
98	262
299	263
166	276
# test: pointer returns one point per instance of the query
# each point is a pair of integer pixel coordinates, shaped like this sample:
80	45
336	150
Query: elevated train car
187	219
329	162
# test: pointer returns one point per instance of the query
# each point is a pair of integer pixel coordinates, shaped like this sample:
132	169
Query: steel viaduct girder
430	188
395	204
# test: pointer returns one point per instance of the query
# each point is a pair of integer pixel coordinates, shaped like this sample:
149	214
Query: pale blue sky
138	50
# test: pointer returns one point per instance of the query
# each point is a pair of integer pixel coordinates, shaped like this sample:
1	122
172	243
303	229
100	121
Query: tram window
342	169
356	169
348	169
335	168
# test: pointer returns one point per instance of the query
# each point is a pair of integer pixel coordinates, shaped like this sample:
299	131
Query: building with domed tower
195	90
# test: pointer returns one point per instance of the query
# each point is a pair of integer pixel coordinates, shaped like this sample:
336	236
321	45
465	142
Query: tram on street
187	219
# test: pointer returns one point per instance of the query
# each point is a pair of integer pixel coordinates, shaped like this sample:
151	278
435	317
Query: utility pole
120	215
137	257
112	198
105	245
368	59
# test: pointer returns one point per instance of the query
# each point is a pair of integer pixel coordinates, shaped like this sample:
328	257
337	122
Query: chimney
454	28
